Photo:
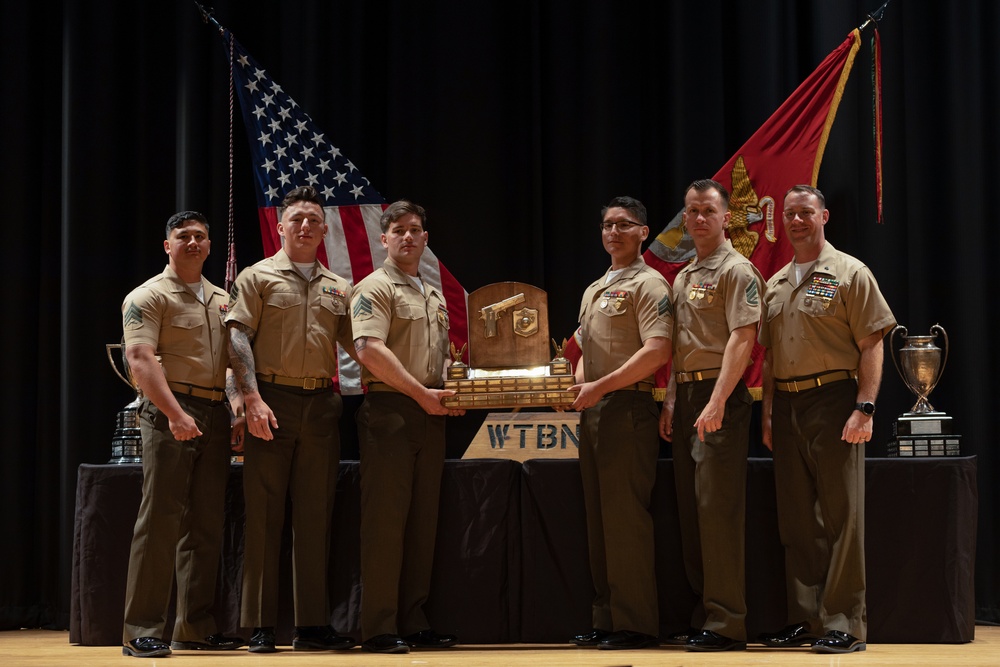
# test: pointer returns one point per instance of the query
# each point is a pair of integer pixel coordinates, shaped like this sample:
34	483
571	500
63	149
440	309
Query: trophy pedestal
510	388
126	443
924	434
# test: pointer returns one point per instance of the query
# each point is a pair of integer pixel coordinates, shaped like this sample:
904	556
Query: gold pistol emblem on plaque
491	312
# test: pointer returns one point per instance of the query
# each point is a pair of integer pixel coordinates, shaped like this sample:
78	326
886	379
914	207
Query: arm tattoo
231	392
360	343
241	356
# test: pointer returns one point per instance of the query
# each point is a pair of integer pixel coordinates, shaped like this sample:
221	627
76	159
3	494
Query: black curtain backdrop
513	122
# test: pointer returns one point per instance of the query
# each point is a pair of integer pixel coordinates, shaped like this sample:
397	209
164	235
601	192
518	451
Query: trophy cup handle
114	366
936	329
893	350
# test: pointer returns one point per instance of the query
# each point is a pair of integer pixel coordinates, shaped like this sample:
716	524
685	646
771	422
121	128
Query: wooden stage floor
49	648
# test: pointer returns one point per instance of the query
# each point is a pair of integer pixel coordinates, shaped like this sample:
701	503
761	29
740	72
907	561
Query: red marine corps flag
787	150
289	150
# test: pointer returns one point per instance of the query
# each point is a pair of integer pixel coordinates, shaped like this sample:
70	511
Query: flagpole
874	17
206	16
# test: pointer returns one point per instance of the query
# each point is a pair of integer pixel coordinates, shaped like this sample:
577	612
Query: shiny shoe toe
626	639
386	644
262	641
430	639
145	647
792	636
592	638
836	641
216	642
320	638
681	638
706	640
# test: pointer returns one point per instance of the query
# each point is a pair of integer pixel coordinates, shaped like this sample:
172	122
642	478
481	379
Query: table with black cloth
511	561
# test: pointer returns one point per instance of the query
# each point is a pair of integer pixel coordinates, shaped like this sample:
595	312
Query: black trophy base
922	423
925	445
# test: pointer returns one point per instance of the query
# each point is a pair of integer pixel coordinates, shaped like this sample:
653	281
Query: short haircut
179	218
706	184
304	193
397	210
809	190
631	204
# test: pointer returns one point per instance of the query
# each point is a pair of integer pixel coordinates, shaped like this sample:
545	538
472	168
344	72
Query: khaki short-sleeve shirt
617	317
389	306
814	327
187	335
712	297
297	323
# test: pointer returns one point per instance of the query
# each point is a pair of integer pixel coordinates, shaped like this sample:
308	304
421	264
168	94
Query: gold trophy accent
126	443
923	431
509	366
491	312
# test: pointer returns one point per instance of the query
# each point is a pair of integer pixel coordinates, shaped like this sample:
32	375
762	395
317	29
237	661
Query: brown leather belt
638	386
813	382
301	383
697	376
381	386
198	392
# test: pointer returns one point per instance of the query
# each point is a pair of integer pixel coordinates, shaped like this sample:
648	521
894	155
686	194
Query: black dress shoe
214	642
836	641
796	634
681	638
262	641
430	639
706	640
146	647
320	638
386	644
592	638
626	639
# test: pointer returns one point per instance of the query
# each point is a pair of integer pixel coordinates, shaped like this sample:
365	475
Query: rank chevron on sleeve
753	297
133	315
362	307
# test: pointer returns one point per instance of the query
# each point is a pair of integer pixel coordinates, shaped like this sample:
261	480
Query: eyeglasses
621	226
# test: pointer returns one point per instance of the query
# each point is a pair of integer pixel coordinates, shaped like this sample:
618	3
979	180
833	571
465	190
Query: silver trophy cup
923	431
126	444
920	363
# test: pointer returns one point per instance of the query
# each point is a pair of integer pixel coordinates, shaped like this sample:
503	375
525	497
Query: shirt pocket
285	307
334	305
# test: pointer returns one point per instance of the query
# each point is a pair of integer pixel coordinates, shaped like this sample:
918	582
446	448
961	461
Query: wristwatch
867	407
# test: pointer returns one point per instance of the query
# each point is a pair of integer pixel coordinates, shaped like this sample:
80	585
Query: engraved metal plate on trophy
509	363
126	443
923	431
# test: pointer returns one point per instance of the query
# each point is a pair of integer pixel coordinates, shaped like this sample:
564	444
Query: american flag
288	151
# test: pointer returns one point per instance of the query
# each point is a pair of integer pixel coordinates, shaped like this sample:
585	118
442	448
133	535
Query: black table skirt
511	563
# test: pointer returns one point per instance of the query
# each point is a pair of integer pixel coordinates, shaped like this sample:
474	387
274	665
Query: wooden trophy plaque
509	363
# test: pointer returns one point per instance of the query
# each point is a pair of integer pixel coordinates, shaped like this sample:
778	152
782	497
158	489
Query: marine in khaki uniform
177	316
625	328
706	415
286	316
824	323
401	337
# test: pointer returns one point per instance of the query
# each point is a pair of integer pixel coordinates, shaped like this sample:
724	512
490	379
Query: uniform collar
176	284
823	264
283	262
627	272
400	277
714	260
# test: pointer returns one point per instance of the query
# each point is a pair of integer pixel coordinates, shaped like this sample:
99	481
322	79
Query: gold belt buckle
309	383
